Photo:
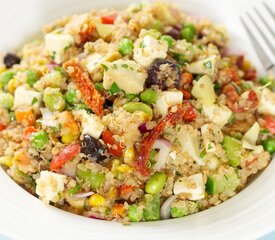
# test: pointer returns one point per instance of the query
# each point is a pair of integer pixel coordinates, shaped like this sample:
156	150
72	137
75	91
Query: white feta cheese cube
24	96
267	102
127	74
148	49
218	115
93	61
91	124
189	141
50	185
57	43
204	66
192	185
168	99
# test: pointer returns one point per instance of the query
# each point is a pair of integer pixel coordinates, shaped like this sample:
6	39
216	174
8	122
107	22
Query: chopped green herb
99	87
115	66
208	64
124	66
217	86
265	131
209	146
203	153
180	58
104	67
34	100
53	55
114	89
143	45
131	96
200	46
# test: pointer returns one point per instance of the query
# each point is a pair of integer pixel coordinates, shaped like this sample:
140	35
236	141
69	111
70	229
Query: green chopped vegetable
151	211
181	208
74	190
188	32
31	77
170	41
39	139
95	179
156	183
134	213
6	100
180	58
71	96
149	96
132	107
269	145
267	80
219	183
232	148
5	77
54	99
131	96
125	46
99	87
158	25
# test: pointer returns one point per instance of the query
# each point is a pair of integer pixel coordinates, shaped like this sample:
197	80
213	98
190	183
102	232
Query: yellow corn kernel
69	137
112	193
3	69
96	200
124	168
7	161
144	116
129	155
12	85
113	165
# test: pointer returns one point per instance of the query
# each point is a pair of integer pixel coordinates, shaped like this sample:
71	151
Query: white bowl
249	215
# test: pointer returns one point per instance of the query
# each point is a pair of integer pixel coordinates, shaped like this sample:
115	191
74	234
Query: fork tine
264	21
262	34
269	10
266	61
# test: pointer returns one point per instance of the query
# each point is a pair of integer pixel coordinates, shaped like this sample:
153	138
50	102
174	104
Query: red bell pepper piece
109	19
65	155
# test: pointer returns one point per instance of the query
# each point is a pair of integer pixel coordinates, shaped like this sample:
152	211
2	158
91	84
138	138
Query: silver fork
266	54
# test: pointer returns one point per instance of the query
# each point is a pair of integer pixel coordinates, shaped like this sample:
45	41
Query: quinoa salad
140	114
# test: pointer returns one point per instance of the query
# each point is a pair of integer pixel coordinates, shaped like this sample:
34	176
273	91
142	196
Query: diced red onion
143	128
164	146
96	216
82	195
165	210
69	170
52	65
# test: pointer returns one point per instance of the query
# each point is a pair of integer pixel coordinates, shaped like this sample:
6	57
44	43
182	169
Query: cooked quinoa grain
133	115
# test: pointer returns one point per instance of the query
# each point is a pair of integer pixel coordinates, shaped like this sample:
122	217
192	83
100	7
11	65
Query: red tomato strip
173	117
114	147
2	126
65	155
93	98
270	123
189	112
109	19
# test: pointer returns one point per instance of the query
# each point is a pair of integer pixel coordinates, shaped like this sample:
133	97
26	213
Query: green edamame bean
170	41
156	183
39	139
138	106
32	77
125	46
149	96
188	32
269	145
54	99
71	96
5	77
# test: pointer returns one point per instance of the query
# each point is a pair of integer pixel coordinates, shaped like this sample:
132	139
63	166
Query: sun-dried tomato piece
186	94
270	123
247	101
115	148
93	98
88	33
189	112
250	74
174	116
2	126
